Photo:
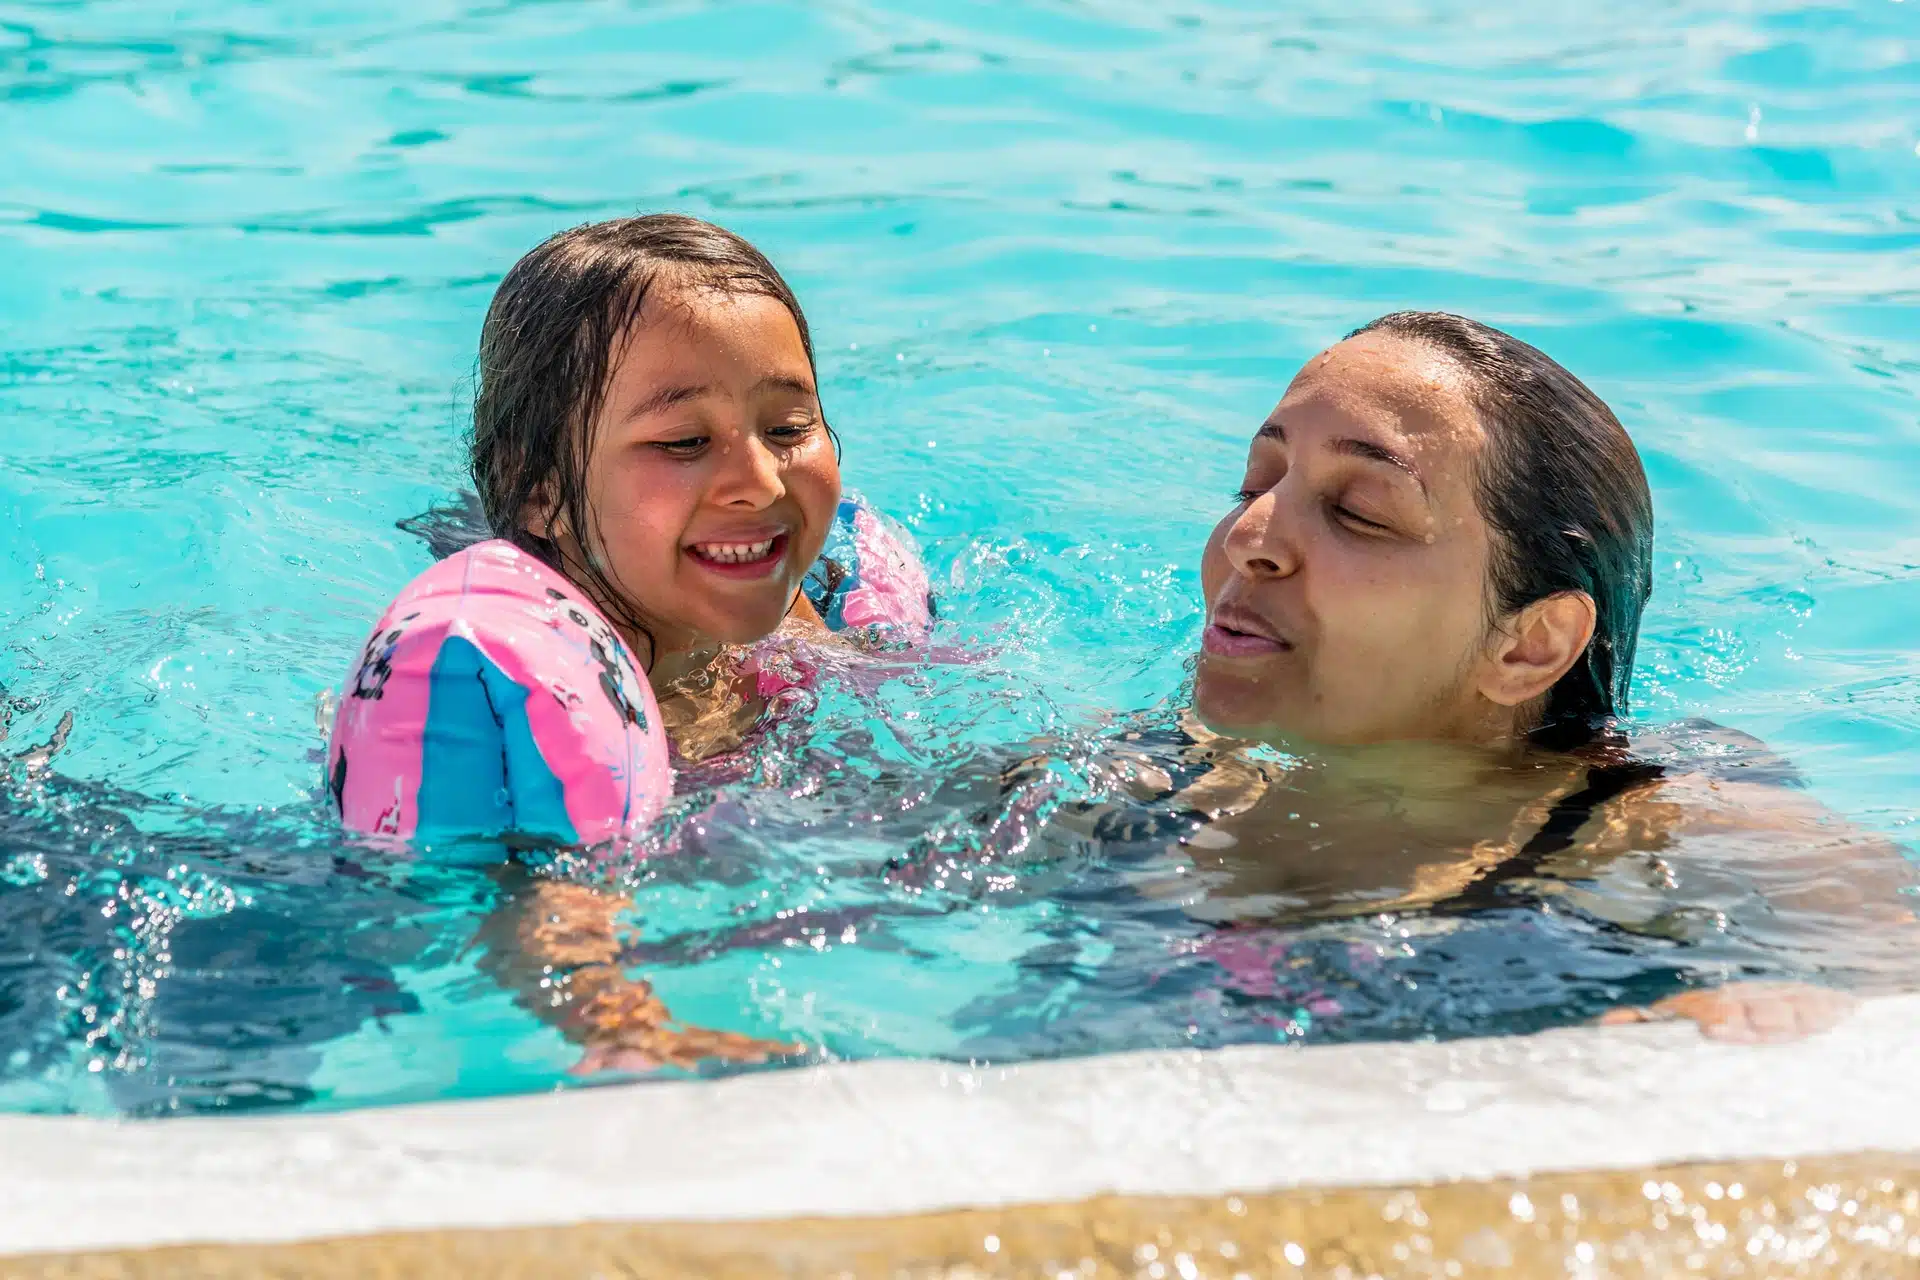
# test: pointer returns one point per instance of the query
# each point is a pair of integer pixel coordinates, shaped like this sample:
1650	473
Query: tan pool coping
905	1138
1831	1217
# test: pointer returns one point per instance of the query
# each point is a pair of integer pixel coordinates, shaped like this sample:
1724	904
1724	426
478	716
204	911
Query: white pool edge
908	1137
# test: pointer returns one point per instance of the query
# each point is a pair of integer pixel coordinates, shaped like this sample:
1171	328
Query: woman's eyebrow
1379	453
1355	448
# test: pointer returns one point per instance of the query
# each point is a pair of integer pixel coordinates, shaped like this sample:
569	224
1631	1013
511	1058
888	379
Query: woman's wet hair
1562	488
547	353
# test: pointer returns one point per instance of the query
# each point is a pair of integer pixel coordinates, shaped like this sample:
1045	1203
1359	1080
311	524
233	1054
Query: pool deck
882	1140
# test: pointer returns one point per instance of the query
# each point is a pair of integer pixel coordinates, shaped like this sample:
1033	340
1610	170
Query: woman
1430	585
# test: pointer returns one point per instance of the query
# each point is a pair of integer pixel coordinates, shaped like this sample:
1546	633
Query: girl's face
712	480
1347	589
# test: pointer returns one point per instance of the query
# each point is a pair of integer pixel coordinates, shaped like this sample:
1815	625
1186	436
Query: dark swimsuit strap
1556	835
1604	782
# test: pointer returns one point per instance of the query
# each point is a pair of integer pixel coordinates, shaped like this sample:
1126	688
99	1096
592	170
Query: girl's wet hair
1562	488
547	352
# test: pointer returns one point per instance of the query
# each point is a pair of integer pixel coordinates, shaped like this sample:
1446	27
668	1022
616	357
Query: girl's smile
741	556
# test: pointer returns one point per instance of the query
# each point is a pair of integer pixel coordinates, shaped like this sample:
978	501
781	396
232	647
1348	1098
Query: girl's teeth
735	552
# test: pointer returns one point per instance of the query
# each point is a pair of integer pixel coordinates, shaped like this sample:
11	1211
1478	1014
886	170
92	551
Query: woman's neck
1410	767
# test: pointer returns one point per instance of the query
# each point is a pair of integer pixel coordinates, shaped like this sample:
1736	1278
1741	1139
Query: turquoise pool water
1060	256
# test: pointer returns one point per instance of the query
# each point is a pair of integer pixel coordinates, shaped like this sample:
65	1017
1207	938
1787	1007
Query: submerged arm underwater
1789	874
557	945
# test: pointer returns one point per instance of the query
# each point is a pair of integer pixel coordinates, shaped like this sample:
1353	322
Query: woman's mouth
756	558
1235	633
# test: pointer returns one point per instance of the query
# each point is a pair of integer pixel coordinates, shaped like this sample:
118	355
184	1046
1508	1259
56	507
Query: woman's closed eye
1352	519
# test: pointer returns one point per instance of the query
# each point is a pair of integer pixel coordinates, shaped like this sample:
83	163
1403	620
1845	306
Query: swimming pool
1058	258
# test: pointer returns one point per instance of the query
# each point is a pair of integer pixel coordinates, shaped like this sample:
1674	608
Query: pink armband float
870	578
494	697
869	583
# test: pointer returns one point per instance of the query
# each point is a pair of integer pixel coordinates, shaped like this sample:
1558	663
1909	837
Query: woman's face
712	480
1347	589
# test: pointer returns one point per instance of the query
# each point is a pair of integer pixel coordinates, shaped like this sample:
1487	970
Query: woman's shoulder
1703	750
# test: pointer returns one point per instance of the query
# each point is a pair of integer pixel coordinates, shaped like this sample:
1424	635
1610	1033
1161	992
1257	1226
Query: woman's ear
1541	644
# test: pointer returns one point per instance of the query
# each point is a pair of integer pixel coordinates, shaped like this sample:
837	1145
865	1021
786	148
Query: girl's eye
1241	497
685	447
1359	521
791	432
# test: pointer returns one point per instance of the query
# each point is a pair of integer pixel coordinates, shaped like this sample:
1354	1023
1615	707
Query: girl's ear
1542	643
541	515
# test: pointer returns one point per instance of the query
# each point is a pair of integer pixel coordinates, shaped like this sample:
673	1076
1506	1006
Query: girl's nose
749	475
1262	542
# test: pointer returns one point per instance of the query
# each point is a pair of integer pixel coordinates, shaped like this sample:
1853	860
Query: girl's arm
556	945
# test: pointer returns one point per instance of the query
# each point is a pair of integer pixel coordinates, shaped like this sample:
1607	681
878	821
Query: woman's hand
1748	1012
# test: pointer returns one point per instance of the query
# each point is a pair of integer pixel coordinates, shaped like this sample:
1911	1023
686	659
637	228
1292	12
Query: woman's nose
1262	542
749	474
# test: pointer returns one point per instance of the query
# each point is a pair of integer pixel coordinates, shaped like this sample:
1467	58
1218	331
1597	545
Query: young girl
653	462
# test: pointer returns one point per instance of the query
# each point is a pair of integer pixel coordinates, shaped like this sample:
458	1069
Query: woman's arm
1791	873
556	945
1787	873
